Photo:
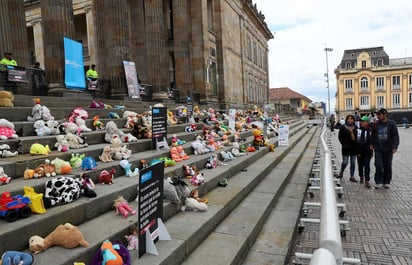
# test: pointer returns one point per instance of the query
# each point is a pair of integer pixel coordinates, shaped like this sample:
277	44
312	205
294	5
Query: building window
363	64
348	86
380	83
380	102
210	22
364	84
364	102
349	104
396	82
254	53
213	78
410	81
409	100
348	65
380	62
249	48
396	100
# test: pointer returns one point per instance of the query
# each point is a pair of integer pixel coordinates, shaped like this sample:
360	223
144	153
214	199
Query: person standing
7	60
364	153
384	142
5	63
347	138
38	80
92	74
332	122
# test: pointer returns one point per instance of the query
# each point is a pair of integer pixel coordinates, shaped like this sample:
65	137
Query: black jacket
345	139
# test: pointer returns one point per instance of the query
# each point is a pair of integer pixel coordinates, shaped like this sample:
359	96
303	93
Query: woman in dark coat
347	138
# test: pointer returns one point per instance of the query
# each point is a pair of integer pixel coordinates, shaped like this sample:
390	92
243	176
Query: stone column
13	32
90	33
182	46
112	42
138	39
157	63
58	22
38	41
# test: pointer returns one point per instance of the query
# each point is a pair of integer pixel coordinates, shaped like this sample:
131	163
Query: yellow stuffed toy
67	236
6	98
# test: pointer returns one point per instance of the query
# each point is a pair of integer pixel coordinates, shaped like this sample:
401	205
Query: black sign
159	127
150	203
17	74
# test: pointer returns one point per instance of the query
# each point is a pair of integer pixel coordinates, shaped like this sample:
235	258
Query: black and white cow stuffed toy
62	190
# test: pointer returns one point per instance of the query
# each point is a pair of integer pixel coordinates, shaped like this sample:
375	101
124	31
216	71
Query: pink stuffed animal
7	130
122	207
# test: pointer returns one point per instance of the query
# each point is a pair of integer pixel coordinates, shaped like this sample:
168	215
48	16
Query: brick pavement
380	221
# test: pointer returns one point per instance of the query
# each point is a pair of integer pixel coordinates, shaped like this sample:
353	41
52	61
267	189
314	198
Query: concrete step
196	225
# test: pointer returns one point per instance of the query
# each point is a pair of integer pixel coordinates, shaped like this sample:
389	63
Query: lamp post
327	76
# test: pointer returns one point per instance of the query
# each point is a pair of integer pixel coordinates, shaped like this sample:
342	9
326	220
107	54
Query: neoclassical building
367	80
216	49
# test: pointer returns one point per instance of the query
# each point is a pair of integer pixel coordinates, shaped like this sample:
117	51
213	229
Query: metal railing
330	243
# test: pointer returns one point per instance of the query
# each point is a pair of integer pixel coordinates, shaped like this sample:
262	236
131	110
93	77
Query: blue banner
74	66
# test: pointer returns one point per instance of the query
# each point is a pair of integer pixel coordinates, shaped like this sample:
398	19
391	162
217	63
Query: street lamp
327	76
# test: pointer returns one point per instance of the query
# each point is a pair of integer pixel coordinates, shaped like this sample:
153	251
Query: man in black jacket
385	142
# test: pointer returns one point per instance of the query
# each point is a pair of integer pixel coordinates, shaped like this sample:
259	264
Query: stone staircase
255	183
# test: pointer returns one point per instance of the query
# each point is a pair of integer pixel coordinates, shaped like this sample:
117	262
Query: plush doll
5	151
199	148
88	163
62	167
190	128
87	185
61	190
122	207
133	238
106	177
119	151
258	137
141	132
147	120
39	149
113	132
131	119
189	171
16	258
40	128
28	174
113	115
227	156
67	236
76	160
71	127
7	130
6	98
109	254
45	169
97	123
4	179
62	144
128	169
45	114
174	154
212	162
81	124
171	119
169	191
197	179
195	195
236	150
182	153
106	155
191	204
36	111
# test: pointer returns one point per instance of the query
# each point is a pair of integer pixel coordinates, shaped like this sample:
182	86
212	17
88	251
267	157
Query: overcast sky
303	28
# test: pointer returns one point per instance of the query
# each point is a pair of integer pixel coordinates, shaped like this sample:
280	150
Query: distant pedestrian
38	81
385	142
332	123
405	122
357	119
347	138
364	153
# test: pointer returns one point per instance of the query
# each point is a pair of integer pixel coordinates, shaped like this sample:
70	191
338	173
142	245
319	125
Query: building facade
367	80
289	99
213	49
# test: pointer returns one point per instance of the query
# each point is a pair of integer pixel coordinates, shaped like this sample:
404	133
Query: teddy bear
40	128
6	98
131	118
67	236
113	132
62	144
121	206
75	141
119	151
16	258
7	130
45	113
106	155
53	127
4	179
70	127
5	151
191	204
199	148
35	112
236	150
198	179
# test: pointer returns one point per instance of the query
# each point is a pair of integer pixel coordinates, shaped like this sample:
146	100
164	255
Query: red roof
285	93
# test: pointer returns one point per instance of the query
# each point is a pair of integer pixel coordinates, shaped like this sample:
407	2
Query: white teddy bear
40	128
45	114
81	124
113	132
75	141
53	126
62	144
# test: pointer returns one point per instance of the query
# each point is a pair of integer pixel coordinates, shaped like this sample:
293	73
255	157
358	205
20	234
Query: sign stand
163	235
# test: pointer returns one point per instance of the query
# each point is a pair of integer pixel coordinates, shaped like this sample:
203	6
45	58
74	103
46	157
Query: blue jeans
345	160
383	166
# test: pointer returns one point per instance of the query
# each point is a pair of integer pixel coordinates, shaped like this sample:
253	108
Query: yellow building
368	80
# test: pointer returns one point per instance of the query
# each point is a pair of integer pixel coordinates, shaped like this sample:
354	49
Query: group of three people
359	143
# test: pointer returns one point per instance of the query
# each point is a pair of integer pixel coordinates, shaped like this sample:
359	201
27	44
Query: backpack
122	251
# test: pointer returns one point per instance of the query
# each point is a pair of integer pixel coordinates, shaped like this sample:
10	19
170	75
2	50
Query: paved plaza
380	221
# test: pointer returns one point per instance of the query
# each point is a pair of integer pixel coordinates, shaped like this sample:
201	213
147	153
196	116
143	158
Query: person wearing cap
7	60
347	138
364	153
384	142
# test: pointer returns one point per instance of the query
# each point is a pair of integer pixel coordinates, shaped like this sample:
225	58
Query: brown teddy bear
67	236
6	98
